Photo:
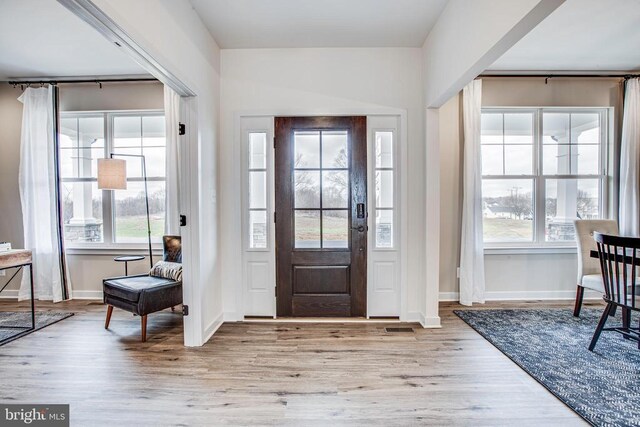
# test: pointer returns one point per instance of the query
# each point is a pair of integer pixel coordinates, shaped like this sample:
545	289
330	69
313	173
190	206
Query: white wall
86	271
318	81
510	275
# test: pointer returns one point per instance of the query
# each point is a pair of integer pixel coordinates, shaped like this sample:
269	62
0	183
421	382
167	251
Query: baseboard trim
430	322
92	295
213	327
524	295
9	294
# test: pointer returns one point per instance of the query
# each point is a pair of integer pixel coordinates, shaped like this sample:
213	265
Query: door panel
321	227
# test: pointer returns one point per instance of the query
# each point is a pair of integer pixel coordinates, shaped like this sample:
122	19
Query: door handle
360	228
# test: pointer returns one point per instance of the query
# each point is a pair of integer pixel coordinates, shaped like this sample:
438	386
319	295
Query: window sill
112	250
531	250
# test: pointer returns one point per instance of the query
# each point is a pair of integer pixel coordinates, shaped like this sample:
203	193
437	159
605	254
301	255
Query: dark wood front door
321	216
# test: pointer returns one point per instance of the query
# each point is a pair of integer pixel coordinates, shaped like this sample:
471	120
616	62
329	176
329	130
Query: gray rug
603	386
10	320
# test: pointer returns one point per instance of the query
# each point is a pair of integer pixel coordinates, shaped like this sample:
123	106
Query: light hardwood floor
272	373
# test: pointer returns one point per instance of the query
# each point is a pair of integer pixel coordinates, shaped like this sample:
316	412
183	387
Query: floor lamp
112	175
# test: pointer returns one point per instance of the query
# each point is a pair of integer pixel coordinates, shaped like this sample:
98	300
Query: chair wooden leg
144	327
626	318
601	323
109	311
579	296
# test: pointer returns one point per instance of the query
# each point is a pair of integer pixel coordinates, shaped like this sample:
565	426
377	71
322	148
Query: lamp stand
146	197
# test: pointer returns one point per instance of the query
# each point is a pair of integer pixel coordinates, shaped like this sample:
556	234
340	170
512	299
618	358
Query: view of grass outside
307	229
134	228
510	230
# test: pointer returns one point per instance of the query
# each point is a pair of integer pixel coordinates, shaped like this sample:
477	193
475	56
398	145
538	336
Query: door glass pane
306	149
384	189
566	201
335	189
507	210
307	189
82	211
258	150
307	229
131	215
384	149
257	229
518	159
335	229
492	161
384	228
335	149
257	190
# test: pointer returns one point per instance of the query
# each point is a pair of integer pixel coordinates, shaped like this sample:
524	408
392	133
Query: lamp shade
112	174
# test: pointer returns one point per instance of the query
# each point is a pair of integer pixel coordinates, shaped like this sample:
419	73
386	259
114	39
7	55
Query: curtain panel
471	248
629	200
38	196
172	201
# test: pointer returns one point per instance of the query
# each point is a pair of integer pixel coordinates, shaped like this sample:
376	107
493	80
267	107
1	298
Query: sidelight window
384	189
258	229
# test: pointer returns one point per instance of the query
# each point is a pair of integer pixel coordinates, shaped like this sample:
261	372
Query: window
258	230
95	216
384	190
321	189
541	170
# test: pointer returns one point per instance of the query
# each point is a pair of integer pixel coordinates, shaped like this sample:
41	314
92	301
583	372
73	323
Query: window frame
108	196
539	178
395	188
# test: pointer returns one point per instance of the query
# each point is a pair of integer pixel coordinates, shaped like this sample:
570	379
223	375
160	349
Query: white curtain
37	182
630	161
471	248
172	201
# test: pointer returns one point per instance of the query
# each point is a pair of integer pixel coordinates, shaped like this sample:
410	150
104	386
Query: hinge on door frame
185	310
274	142
274	217
183	220
182	128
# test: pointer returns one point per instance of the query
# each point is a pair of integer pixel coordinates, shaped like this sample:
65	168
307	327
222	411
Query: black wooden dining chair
619	262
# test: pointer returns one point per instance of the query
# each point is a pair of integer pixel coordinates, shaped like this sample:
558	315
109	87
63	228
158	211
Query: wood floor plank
268	373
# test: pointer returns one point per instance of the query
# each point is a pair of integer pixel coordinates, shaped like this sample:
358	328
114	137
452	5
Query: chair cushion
593	281
130	288
167	270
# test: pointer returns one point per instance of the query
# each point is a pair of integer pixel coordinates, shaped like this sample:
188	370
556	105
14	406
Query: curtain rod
554	76
30	82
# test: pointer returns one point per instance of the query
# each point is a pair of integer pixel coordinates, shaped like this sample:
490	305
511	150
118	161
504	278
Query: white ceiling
581	35
40	38
313	23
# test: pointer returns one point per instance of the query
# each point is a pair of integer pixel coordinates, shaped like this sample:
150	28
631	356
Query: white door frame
240	287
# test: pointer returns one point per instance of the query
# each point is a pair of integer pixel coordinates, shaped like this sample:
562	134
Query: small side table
127	259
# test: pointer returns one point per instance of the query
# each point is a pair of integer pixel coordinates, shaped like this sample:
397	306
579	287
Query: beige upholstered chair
589	274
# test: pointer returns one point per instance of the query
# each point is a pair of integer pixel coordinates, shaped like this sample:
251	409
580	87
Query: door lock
360	228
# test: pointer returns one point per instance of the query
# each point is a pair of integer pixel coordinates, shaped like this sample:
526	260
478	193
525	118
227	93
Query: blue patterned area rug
14	324
602	386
